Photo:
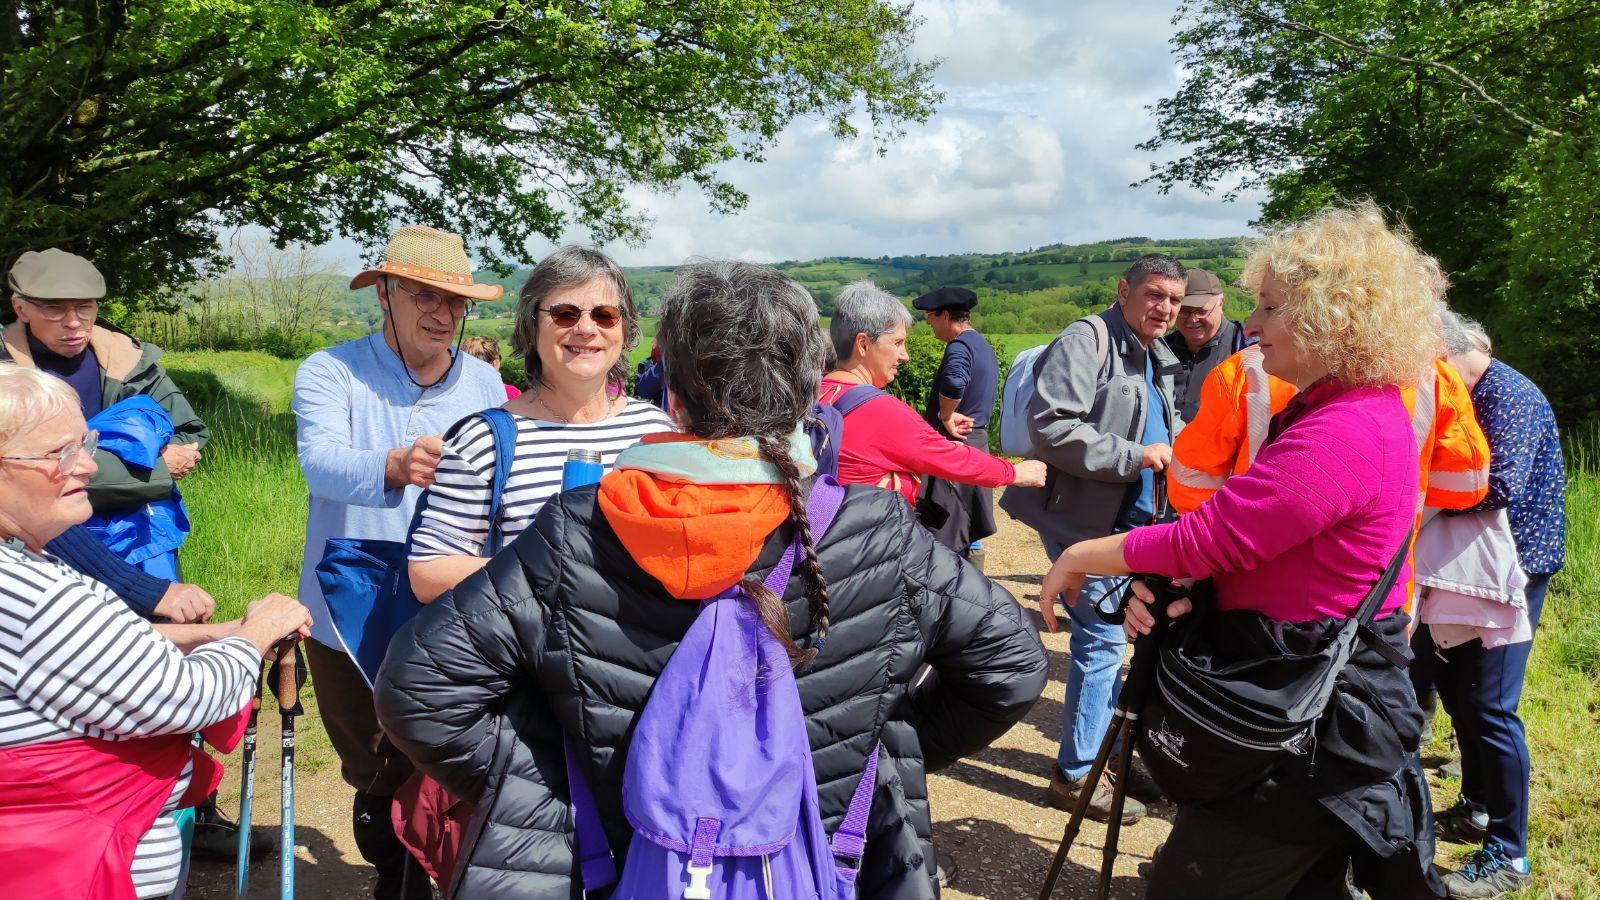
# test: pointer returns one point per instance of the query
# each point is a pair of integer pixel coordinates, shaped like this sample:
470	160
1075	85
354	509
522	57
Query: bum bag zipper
1293	745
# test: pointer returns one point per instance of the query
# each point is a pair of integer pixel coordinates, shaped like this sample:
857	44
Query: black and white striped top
456	521
76	662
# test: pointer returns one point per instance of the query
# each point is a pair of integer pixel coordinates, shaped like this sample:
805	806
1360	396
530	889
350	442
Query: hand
180	458
1030	473
1064	581
421	458
1156	456
957	424
273	618
184	604
1139	620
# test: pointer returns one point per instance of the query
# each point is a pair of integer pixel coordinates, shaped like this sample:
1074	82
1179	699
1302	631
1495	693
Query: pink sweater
1309	528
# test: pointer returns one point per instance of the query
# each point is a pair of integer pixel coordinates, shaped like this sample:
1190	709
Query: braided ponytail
776	450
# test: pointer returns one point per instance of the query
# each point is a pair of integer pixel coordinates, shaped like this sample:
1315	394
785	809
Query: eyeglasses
1192	312
56	310
67	457
428	301
567	315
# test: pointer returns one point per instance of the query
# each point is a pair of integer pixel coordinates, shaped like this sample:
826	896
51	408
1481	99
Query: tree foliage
1477	123
133	130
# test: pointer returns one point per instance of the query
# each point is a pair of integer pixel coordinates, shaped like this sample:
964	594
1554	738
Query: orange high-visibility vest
1238	400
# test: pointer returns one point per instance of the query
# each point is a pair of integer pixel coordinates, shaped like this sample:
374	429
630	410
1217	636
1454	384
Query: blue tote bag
365	581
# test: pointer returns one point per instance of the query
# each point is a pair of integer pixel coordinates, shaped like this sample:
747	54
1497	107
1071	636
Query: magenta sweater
1309	528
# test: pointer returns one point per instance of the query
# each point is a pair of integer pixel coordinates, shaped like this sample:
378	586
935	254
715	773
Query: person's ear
382	286
862	344
20	308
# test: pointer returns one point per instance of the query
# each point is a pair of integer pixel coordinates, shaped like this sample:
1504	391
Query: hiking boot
1141	785
217	837
1063	794
1462	823
1488	873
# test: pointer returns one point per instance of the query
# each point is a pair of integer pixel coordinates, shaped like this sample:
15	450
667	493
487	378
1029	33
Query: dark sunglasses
567	315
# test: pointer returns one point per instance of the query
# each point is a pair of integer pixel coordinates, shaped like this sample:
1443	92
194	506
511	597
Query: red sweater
886	443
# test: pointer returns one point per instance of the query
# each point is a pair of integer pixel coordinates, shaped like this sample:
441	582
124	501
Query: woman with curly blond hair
1291	547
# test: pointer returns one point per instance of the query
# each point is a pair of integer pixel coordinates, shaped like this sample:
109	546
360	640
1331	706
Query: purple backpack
719	785
825	425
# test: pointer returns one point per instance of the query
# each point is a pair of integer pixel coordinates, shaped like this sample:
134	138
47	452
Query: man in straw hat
371	414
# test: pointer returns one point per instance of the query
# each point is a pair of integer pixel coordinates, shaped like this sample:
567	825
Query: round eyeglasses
66	459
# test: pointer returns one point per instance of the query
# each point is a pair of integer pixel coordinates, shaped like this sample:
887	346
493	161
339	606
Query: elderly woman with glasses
886	443
97	706
575	319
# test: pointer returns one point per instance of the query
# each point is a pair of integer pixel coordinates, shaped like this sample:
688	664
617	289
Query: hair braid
776	450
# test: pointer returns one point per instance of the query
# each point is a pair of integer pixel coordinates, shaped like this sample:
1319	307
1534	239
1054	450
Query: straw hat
433	257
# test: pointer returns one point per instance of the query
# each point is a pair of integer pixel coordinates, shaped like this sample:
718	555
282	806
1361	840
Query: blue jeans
1480	690
1094	678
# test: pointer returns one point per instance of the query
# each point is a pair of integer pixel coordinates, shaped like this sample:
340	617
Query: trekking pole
288	692
1122	729
247	786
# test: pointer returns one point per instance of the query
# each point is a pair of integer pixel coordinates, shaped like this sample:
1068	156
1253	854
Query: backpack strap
1102	342
849	842
847	402
1368	609
504	430
821	506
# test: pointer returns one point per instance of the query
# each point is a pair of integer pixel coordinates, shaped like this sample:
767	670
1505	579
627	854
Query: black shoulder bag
1215	725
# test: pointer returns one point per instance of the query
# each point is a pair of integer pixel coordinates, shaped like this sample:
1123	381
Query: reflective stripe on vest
1258	401
1422	410
1195	478
1460	482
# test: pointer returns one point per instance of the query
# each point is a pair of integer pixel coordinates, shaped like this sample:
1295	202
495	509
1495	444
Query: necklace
538	399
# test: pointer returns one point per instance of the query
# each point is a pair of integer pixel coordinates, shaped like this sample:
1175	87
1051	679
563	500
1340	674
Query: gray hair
567	267
1461	334
28	399
743	353
1159	265
864	308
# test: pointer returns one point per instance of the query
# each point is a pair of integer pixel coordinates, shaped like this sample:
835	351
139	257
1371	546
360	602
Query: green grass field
247	501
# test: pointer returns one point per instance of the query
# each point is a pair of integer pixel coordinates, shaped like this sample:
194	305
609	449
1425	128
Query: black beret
946	298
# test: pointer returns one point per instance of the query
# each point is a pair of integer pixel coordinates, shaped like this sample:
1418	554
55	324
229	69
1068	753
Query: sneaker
1141	784
1063	794
1462	823
217	837
1488	873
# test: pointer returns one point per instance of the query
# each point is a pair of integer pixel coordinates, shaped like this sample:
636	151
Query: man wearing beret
959	405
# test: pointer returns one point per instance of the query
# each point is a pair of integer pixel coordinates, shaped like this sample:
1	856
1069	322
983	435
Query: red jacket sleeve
909	444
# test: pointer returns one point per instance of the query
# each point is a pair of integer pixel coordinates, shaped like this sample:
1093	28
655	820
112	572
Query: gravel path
987	810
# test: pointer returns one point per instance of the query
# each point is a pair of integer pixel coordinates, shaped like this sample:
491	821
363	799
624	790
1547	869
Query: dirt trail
987	809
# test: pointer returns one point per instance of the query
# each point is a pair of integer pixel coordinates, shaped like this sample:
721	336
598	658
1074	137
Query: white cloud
1035	144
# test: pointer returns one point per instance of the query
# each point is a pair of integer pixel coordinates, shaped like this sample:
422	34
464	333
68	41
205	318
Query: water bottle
582	468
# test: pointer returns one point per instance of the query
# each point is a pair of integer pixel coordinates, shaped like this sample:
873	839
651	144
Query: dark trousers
1216	854
1480	690
370	764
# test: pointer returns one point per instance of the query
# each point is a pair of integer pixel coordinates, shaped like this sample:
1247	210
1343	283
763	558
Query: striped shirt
456	520
76	662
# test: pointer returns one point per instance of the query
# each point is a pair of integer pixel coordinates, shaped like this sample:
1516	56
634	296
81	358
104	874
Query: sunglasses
67	457
567	315
56	310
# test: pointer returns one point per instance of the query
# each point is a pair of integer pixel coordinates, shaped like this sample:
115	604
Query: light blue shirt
353	403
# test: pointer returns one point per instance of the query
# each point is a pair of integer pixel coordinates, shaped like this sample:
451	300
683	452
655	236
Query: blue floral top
1526	473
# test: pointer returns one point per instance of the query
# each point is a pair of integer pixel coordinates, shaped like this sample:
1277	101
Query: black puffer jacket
565	631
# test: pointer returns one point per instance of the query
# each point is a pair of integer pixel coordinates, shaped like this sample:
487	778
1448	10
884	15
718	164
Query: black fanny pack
1219	718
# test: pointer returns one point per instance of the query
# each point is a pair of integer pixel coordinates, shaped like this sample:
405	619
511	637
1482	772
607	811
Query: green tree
1476	123
133	130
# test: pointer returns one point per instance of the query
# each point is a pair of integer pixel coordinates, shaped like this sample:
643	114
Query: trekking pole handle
288	689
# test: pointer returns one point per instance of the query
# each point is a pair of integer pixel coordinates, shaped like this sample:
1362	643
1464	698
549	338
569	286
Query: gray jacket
1085	420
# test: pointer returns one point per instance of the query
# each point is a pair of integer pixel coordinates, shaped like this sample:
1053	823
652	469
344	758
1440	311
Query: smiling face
423	333
582	351
37	502
61	325
1151	306
1199	324
881	358
1283	354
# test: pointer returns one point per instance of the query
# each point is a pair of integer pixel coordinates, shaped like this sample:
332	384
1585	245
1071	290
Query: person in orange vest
1239	399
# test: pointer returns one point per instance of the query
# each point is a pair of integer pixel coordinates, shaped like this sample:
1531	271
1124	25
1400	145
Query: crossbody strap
1369	607
504	430
849	842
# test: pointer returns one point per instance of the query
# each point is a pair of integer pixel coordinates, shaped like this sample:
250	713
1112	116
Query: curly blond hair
1361	295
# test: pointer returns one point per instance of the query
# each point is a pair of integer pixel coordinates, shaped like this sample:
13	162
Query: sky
1034	144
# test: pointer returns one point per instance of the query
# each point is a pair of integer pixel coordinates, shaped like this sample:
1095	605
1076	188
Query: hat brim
1198	299
474	291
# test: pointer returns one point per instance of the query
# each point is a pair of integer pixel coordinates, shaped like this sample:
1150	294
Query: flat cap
946	298
56	275
1202	288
